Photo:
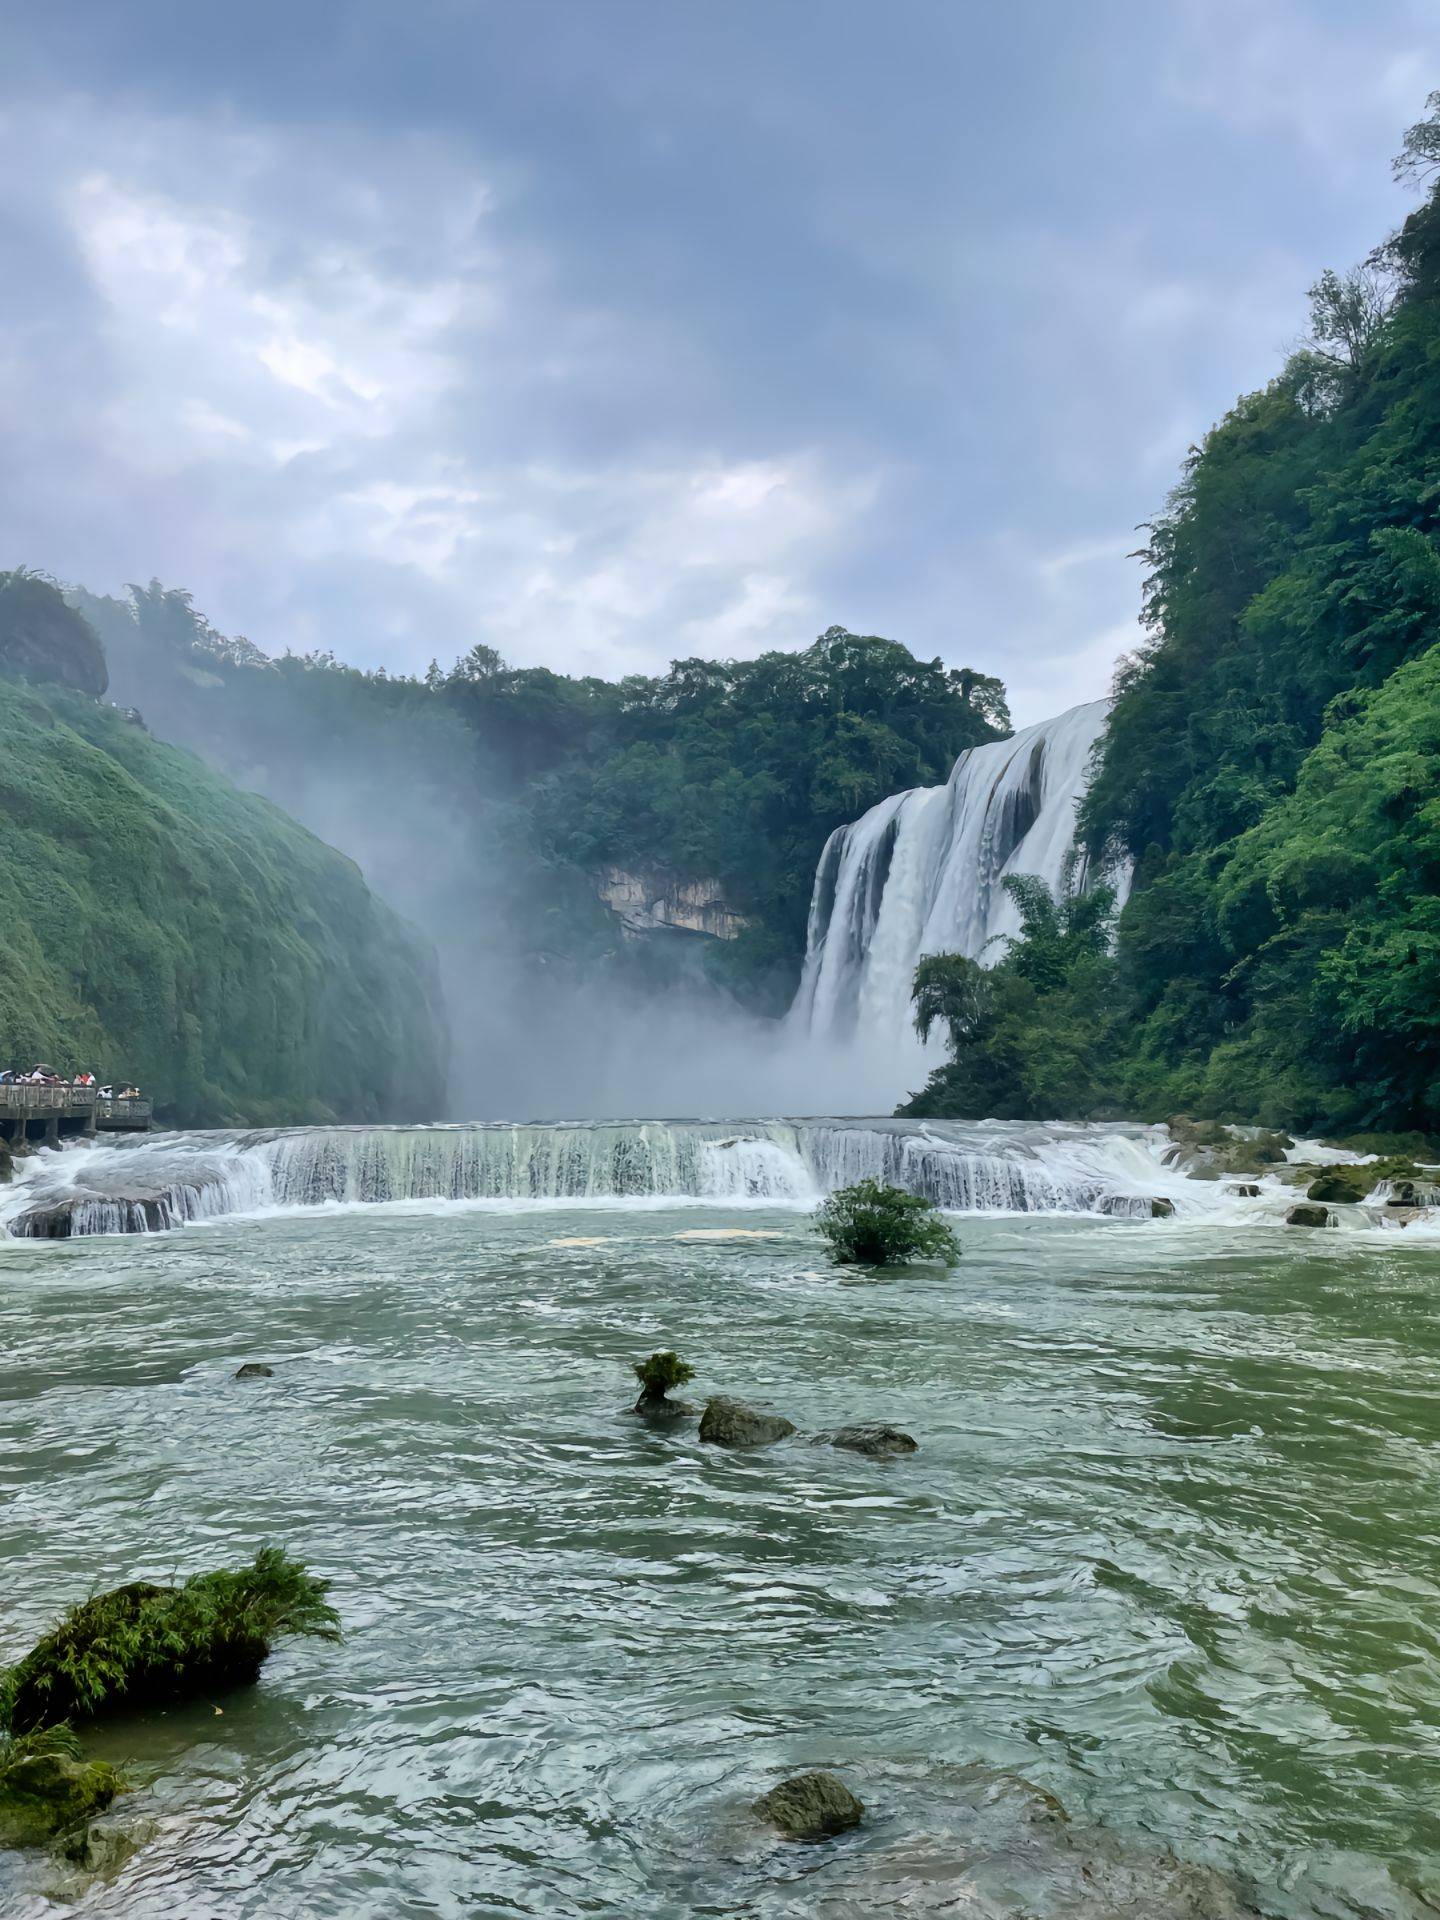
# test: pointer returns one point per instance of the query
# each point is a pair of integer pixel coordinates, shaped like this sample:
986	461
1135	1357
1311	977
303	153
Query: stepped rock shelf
1110	1170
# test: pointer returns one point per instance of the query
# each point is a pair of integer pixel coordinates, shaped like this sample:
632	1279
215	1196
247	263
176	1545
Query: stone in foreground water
811	1806
869	1437
49	1795
254	1370
730	1423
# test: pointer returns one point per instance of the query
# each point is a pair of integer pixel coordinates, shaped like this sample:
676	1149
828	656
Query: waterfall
169	1180
922	872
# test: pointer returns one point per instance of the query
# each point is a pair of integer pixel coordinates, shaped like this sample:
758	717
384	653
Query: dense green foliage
661	1373
872	1225
1271	765
142	1644
163	927
733	771
43	638
1030	1036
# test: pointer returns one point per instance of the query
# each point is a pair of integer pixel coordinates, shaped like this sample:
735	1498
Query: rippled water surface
1168	1552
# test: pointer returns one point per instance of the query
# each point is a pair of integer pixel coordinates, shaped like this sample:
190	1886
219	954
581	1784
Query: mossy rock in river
1337	1188
730	1423
143	1644
1304	1214
49	1793
811	1806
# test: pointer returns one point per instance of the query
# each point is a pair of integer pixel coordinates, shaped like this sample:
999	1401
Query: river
1168	1552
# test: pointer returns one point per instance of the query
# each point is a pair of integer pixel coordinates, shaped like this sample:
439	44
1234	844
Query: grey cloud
612	334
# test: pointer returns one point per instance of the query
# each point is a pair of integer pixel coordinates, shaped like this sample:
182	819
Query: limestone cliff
653	901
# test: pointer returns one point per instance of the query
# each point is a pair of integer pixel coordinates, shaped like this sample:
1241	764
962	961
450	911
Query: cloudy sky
608	331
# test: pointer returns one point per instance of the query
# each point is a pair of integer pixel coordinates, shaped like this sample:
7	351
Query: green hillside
162	926
1272	767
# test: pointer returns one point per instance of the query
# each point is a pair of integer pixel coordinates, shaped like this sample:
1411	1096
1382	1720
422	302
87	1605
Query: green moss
1336	1188
162	926
48	1792
873	1225
142	1644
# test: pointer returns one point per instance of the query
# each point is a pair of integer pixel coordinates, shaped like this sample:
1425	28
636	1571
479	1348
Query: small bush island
143	1644
659	1374
872	1225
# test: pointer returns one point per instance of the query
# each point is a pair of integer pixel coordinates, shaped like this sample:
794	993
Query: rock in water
48	1794
143	1645
1304	1214
811	1806
873	1439
1161	1209
254	1370
1247	1190
1337	1187
730	1423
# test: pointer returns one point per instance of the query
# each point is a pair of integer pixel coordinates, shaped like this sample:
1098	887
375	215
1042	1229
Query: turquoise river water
1168	1559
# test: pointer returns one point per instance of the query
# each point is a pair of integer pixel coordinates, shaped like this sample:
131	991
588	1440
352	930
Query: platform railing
24	1099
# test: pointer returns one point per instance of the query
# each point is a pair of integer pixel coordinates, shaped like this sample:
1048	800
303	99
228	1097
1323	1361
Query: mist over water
537	1030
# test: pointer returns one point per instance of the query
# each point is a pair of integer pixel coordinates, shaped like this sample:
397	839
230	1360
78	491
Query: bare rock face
730	1423
811	1806
872	1438
655	902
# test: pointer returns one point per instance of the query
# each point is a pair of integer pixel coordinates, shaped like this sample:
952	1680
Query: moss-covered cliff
160	925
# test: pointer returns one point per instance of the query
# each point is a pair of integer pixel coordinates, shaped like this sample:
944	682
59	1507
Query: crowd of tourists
43	1076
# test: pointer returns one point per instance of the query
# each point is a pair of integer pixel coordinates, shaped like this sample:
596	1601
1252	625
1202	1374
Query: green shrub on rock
658	1375
872	1225
143	1644
48	1792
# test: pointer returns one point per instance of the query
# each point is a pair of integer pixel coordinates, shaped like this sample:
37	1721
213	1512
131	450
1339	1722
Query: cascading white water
923	872
169	1179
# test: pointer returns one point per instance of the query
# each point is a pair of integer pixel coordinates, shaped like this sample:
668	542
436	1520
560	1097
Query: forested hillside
161	925
1272	765
486	800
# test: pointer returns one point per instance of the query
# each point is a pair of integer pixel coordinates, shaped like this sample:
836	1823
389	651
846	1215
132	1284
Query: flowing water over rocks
1148	1626
924	871
167	1180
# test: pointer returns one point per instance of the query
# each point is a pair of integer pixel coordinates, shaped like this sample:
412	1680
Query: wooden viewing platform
50	1114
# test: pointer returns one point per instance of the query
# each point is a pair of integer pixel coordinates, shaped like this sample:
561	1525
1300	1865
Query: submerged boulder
872	1438
142	1644
1305	1214
254	1370
730	1423
49	1794
810	1806
1245	1190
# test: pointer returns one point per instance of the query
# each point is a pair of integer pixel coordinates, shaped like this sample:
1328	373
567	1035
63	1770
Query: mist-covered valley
542	833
